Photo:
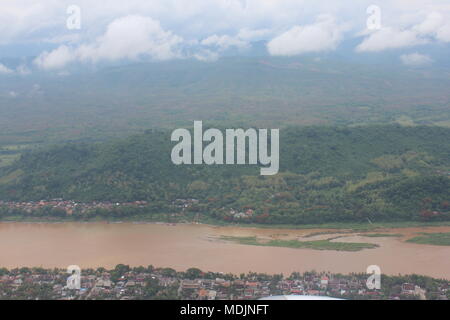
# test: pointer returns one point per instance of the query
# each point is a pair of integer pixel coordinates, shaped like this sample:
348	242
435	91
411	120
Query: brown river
183	246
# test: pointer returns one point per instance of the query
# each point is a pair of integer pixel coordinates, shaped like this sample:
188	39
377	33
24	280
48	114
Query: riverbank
350	226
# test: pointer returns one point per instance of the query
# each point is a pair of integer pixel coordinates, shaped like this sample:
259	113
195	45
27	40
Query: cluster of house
444	173
311	286
92	286
238	215
133	285
66	205
185	203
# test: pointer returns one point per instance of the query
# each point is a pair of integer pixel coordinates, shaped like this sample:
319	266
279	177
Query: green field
326	244
436	239
381	235
8	159
11	153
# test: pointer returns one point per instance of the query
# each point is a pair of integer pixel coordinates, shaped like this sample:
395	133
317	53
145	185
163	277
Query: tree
193	273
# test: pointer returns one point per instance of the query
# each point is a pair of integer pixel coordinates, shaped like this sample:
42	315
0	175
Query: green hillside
327	174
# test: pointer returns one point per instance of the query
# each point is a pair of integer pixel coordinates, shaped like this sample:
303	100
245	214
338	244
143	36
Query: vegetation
382	235
369	174
437	239
253	91
326	244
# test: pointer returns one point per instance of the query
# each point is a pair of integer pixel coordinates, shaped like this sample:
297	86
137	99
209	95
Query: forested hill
326	174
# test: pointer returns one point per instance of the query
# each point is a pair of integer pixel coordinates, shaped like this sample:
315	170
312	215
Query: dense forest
327	174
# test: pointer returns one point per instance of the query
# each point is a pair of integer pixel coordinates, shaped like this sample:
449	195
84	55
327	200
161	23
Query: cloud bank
5	70
325	34
433	28
415	59
206	29
131	37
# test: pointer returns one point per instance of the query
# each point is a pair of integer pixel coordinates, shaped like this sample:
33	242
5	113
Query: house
103	283
17	282
324	281
313	292
296	291
212	295
408	289
248	293
190	284
202	294
252	285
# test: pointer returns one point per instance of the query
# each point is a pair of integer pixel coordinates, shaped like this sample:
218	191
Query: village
69	207
125	283
72	207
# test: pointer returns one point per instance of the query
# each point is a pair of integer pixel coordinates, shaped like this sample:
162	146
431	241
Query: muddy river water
183	246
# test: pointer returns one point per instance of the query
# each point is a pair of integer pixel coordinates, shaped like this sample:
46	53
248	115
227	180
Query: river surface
183	246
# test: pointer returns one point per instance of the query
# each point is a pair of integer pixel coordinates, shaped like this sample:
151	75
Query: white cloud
220	23
435	25
443	34
206	55
224	42
324	35
20	19
55	59
432	27
23	70
129	37
415	59
221	43
389	38
253	35
432	22
5	70
65	38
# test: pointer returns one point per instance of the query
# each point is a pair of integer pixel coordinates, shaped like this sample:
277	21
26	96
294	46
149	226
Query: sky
59	33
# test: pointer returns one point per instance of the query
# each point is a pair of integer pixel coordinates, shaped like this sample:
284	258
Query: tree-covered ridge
380	173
